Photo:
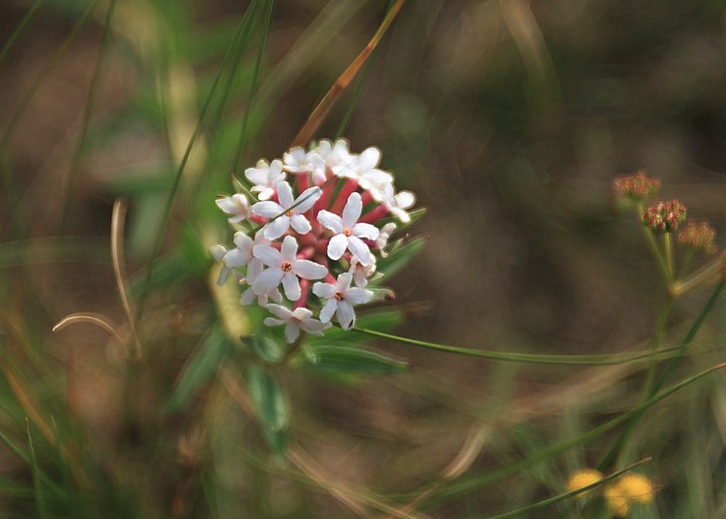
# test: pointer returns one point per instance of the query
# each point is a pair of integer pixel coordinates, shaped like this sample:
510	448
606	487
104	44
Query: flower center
339	296
286	266
347	232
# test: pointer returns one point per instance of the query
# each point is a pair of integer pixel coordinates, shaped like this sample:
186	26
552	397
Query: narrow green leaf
351	360
380	321
399	257
200	367
271	405
268	348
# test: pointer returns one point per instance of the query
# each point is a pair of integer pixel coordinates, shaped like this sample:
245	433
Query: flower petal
352	210
324	290
366	230
358	296
277	228
360	250
331	221
280	311
337	246
307	199
302	314
288	249
292	332
284	195
267	281
267	255
291	285
300	224
328	310
267	209
345	315
307	269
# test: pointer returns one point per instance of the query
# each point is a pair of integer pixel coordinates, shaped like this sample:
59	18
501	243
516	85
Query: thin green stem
668	253
492	476
571	360
653	245
18	30
253	88
663	378
168	206
88	109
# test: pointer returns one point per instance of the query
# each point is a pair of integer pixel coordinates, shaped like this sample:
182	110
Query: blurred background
509	120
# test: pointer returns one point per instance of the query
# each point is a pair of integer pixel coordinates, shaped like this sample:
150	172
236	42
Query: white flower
340	300
294	321
237	205
298	161
348	233
334	156
265	178
384	236
397	203
361	272
284	267
289	216
232	259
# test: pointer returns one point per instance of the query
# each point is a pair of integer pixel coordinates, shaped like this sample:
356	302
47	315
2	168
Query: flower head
237	205
348	232
582	479
698	236
340	300
636	187
289	212
294	321
664	216
265	178
284	267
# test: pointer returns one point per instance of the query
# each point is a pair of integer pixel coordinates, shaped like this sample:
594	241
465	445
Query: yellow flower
582	479
637	487
618	501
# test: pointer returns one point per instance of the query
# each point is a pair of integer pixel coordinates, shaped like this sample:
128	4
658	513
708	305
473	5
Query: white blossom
397	203
348	232
294	321
340	300
288	212
383	238
237	205
284	267
265	178
361	272
298	161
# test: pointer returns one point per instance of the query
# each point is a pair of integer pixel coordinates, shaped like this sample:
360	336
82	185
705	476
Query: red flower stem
348	188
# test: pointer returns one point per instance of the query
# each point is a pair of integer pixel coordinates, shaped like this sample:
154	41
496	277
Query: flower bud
698	236
636	187
664	216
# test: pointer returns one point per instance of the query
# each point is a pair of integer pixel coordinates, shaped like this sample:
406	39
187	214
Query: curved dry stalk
117	239
321	111
90	318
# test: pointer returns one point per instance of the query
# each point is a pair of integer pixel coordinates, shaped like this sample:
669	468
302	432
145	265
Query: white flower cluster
321	216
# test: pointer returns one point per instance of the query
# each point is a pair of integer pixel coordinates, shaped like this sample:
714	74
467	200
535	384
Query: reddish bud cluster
698	236
636	187
664	216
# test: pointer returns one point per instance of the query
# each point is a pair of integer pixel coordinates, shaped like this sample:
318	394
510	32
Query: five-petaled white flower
361	272
348	232
298	161
340	300
294	321
234	258
397	203
288	213
283	266
265	178
237	205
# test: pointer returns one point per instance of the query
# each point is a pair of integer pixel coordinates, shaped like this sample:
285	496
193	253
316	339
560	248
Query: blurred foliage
509	120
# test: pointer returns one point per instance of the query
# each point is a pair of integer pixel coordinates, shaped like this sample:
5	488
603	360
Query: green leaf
271	405
200	367
351	360
193	251
399	256
380	321
268	348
